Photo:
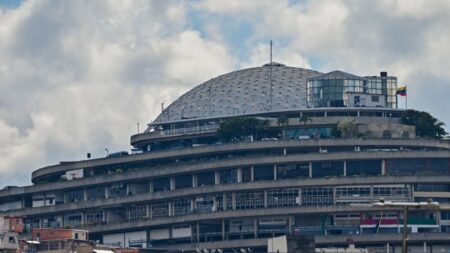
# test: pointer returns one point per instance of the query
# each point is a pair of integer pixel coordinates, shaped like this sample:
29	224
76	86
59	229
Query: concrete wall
14	205
377	130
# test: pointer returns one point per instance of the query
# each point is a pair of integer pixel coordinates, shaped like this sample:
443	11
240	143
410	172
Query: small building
46	234
9	242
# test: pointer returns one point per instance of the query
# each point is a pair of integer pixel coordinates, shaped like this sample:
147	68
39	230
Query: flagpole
406	98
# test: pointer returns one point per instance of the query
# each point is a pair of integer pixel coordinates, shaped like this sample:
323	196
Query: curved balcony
59	169
216	189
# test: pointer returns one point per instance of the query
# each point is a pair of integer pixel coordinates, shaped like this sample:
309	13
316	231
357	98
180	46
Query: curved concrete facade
190	188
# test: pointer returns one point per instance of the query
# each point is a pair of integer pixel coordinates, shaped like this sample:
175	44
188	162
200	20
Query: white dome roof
241	92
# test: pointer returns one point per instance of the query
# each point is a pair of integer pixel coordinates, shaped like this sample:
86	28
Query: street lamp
406	206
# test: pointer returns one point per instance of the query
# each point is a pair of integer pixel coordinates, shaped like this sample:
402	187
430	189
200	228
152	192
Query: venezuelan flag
401	91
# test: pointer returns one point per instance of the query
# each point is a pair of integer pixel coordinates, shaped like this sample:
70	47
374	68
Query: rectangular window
205	178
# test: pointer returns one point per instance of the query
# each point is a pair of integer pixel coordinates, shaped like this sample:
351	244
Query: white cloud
76	76
406	38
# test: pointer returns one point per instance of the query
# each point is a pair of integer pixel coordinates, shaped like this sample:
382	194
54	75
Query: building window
375	99
95	193
183	181
228	176
206	178
263	172
182	207
75	196
137	212
246	175
161	184
317	196
324	169
282	197
287	171
73	220
94	217
249	200
160	209
364	168
205	204
118	190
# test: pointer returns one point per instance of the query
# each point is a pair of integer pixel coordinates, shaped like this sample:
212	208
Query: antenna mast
270	78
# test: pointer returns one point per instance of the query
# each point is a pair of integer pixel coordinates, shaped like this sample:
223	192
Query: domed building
250	155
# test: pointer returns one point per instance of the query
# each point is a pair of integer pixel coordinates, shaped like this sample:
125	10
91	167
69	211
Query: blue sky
76	76
10	3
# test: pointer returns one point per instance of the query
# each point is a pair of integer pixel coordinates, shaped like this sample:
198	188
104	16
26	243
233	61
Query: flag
401	91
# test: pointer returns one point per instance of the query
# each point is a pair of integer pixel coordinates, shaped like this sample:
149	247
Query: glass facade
331	90
420	166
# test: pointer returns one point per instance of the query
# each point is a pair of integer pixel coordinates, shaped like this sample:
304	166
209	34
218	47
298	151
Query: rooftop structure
250	155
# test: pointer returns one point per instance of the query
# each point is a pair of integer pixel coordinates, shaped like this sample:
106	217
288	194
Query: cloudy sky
76	76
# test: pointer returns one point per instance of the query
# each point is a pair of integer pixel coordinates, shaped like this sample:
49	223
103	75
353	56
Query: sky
77	76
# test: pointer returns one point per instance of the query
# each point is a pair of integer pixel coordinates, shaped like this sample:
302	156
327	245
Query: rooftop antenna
138	127
162	106
270	78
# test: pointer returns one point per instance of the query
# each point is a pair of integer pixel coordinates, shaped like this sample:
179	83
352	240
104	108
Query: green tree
347	128
283	121
304	119
236	129
426	125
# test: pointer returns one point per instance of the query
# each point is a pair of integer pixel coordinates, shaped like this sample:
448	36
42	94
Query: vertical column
198	231
128	189
345	169
438	220
334	195
371	192
106	194
223	230
150	211
255	226
358	114
85	195
284	151
387	244
265	198
224	199
275	172
83	219
383	167
239	175
150	186
310	169
170	208
192	204
172	183
194	180
424	246
252	174
291	222
147	211
105	217
233	201
216	177
300	196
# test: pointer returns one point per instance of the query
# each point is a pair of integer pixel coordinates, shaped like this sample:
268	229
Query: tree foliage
236	129
347	128
426	125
